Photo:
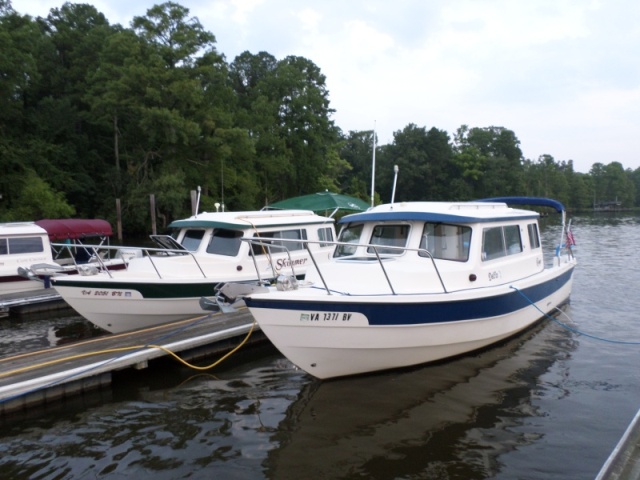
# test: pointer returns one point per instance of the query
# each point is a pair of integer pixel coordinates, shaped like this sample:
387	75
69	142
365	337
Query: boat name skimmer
286	263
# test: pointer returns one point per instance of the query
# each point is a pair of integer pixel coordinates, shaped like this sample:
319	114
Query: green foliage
336	168
489	161
37	200
102	112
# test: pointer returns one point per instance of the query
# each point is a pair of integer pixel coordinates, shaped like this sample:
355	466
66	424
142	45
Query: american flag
570	238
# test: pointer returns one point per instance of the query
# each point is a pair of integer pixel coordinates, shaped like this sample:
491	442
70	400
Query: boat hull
15	284
161	285
123	307
338	335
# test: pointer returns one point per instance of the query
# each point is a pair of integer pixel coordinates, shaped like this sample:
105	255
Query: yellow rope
136	347
214	364
102	338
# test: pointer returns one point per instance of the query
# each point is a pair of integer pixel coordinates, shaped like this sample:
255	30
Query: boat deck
41	377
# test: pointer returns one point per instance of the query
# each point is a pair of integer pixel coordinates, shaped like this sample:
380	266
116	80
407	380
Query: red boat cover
73	228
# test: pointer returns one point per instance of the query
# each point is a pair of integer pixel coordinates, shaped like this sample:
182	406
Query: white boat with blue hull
417	282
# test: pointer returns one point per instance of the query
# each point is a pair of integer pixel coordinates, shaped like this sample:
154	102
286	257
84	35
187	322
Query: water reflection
170	426
261	417
548	404
430	422
35	331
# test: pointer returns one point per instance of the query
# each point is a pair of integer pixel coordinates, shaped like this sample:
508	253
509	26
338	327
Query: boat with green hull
165	284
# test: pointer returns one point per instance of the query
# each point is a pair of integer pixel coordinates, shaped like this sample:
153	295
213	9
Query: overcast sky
564	75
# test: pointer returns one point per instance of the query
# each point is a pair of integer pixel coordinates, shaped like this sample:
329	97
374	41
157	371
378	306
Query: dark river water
549	404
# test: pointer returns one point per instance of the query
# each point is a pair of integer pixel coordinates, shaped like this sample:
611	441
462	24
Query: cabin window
282	241
501	241
191	239
534	236
21	245
349	234
492	243
446	242
389	235
325	235
225	242
512	239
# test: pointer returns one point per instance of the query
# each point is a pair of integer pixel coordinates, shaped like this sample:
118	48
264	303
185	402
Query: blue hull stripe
418	313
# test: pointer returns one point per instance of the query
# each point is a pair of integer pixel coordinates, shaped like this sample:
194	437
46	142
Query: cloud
563	75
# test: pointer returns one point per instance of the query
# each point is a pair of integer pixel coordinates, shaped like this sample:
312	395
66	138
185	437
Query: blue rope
571	329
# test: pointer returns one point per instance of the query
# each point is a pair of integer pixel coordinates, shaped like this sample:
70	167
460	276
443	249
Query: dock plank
30	302
38	377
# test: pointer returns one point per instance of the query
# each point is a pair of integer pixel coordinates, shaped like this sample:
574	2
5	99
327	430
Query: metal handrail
264	243
145	250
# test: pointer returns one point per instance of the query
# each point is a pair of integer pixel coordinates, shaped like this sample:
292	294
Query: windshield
225	242
349	234
389	235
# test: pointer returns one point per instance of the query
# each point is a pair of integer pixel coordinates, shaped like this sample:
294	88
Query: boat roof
75	228
531	201
20	228
59	229
443	212
251	219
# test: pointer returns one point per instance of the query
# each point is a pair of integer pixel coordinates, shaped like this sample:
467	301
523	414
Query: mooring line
571	329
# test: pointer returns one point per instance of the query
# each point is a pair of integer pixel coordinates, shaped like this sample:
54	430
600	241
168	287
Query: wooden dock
624	461
45	376
30	302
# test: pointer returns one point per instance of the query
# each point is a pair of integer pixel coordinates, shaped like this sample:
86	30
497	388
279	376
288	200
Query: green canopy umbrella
321	202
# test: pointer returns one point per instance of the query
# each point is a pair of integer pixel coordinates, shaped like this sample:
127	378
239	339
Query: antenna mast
373	164
395	179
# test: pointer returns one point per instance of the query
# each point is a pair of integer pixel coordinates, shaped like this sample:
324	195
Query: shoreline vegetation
95	113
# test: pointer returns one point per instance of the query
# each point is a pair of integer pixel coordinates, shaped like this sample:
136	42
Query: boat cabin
467	244
232	240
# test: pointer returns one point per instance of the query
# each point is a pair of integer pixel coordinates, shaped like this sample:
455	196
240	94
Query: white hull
20	286
131	313
328	349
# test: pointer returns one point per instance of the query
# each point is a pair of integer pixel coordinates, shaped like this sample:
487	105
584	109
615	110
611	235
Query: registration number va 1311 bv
325	317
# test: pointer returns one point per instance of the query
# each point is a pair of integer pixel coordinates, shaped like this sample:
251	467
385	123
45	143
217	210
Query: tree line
93	112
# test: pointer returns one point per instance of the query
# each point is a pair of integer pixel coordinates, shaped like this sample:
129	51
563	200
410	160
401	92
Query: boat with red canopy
75	228
29	254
